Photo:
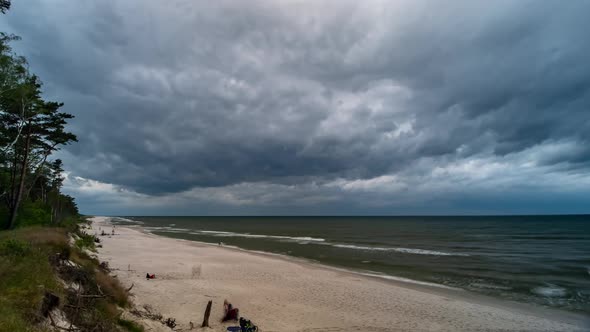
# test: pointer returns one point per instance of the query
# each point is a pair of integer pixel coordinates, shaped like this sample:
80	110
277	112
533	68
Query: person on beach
231	313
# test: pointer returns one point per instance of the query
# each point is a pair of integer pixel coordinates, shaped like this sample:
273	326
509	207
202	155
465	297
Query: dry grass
31	261
43	235
39	236
112	287
26	274
81	258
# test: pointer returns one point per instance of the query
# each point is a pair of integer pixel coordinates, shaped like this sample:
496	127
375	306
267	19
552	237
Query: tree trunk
19	192
37	172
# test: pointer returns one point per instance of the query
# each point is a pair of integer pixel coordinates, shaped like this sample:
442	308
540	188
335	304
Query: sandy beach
280	294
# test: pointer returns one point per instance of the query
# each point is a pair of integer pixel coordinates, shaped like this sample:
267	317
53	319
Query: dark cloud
189	95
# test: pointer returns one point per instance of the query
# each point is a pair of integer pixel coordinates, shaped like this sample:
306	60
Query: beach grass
131	326
26	275
29	272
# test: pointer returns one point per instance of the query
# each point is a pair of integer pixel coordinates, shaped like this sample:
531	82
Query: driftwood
170	322
129	289
149	313
207	313
50	301
105	266
92	296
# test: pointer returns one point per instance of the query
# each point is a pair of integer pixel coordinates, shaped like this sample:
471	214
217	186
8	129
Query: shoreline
439	289
365	273
459	314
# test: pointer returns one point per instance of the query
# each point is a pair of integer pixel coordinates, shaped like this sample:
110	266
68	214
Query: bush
113	288
31	266
54	238
13	247
3	216
25	276
130	325
33	213
85	241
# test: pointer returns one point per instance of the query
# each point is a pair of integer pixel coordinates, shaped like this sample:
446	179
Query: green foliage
4	213
14	247
34	213
85	241
103	311
26	274
130	326
31	130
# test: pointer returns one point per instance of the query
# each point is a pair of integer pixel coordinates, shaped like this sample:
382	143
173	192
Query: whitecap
130	221
301	239
488	286
395	249
550	290
412	281
167	229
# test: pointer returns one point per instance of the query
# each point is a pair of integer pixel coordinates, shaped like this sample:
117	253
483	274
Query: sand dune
287	295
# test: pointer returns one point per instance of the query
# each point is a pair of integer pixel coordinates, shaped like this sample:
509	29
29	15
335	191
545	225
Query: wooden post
207	313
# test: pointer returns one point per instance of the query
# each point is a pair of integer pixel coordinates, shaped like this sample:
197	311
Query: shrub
112	287
25	276
33	213
85	241
130	326
31	266
13	247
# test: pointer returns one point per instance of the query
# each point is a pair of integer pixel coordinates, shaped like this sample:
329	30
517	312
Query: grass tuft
25	274
14	247
112	287
85	241
32	262
130	326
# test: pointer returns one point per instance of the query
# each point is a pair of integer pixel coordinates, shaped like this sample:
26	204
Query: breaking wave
406	280
167	229
259	236
303	240
125	220
300	239
400	250
550	290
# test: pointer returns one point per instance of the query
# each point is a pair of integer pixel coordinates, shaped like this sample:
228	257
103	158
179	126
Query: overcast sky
188	107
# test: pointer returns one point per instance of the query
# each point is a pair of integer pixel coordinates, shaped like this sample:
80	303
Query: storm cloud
329	106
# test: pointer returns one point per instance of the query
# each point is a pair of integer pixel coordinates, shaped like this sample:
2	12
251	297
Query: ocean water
544	260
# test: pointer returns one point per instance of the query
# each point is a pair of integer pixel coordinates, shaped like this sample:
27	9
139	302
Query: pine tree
31	129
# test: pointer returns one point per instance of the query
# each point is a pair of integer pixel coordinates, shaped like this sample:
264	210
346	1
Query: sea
542	260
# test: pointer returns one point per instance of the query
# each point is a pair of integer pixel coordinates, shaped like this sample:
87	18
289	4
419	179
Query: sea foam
125	220
400	250
406	280
304	240
259	236
550	290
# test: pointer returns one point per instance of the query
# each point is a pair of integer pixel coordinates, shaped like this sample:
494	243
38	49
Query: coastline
281	293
